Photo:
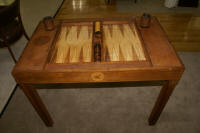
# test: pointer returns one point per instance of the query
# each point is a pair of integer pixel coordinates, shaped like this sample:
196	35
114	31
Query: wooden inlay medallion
97	76
41	40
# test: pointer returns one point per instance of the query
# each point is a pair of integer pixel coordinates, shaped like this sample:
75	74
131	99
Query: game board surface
120	42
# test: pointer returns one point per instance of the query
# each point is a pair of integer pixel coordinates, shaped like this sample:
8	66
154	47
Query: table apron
97	76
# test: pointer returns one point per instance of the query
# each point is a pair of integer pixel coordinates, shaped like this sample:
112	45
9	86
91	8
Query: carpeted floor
99	110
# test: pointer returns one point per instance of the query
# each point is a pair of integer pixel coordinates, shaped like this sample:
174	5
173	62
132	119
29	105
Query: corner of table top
160	50
35	53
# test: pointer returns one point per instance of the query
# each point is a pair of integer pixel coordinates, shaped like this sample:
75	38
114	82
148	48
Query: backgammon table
128	53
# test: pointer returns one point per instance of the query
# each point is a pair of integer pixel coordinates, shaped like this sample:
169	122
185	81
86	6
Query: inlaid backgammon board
120	42
98	50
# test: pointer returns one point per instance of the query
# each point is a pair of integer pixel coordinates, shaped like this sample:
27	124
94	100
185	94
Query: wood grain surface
74	44
182	29
121	42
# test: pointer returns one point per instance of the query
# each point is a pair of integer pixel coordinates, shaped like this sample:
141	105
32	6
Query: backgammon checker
98	50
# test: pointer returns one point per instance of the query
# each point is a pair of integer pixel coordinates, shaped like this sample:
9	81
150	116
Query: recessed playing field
74	44
120	42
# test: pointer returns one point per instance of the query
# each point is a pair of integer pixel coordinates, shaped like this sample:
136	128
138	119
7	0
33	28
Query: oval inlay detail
41	40
97	76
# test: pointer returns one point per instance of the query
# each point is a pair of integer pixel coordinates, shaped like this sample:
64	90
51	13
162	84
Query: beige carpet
98	110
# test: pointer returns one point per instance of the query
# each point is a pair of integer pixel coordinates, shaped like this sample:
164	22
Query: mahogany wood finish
37	103
35	65
163	97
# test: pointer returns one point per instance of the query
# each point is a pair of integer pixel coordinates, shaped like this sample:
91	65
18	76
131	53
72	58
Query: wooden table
44	62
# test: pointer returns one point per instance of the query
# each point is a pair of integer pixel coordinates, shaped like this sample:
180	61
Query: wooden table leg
162	99
37	103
